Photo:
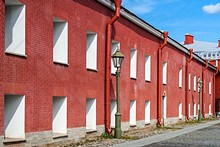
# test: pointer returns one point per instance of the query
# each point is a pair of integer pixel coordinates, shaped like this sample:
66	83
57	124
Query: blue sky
200	18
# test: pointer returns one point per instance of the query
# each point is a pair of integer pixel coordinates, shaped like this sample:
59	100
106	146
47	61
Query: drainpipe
108	64
159	76
203	71
187	83
216	72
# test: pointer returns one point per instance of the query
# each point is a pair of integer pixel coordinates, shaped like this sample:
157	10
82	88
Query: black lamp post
200	100
117	60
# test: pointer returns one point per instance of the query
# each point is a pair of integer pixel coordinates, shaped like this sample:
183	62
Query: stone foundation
77	134
47	137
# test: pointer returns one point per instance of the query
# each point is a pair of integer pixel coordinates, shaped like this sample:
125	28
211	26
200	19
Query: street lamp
117	61
200	100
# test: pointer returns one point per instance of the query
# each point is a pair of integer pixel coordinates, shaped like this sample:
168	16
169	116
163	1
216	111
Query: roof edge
143	24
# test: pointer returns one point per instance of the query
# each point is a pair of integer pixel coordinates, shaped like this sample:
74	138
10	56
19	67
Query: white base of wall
207	115
172	120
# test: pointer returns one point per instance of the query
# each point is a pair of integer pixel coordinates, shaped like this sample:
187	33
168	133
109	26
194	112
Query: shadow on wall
12	23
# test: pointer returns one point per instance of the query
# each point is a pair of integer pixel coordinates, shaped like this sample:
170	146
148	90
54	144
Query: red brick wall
217	91
39	79
138	89
1	67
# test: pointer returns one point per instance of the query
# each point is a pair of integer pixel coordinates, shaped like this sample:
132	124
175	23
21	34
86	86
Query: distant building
211	52
207	50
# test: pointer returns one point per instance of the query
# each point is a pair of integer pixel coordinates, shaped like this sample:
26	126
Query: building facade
53	72
208	51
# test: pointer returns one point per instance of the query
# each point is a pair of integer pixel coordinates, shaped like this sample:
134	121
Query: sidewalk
165	136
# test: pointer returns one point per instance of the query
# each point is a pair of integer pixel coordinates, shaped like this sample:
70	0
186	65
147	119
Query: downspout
214	97
204	69
108	64
159	76
187	83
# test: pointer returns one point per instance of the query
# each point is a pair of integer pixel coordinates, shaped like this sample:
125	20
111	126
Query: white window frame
189	81
15	17
60	41
14	116
165	73
91	114
210	109
147	112
60	114
91	50
189	108
210	88
195	83
164	105
148	68
113	112
115	45
132	112
180	78
133	63
194	110
180	110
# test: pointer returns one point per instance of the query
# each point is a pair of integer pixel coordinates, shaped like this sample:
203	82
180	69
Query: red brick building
208	51
57	82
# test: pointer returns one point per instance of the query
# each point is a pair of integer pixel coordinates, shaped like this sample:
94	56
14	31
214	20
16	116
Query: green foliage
106	136
126	137
192	121
109	136
169	127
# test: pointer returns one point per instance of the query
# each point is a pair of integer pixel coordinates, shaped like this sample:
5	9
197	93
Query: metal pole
163	108
118	131
200	106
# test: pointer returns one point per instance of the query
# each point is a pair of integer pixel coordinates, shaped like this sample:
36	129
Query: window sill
59	135
90	131
13	140
15	54
133	78
148	81
147	124
92	70
61	63
133	126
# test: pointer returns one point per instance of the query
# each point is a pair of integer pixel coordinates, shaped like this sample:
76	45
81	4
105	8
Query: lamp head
117	58
199	83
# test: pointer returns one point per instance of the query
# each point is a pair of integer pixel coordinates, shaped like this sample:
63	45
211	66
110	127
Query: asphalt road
201	135
206	137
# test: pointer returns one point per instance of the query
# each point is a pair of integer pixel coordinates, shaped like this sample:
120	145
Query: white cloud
144	6
139	6
211	9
